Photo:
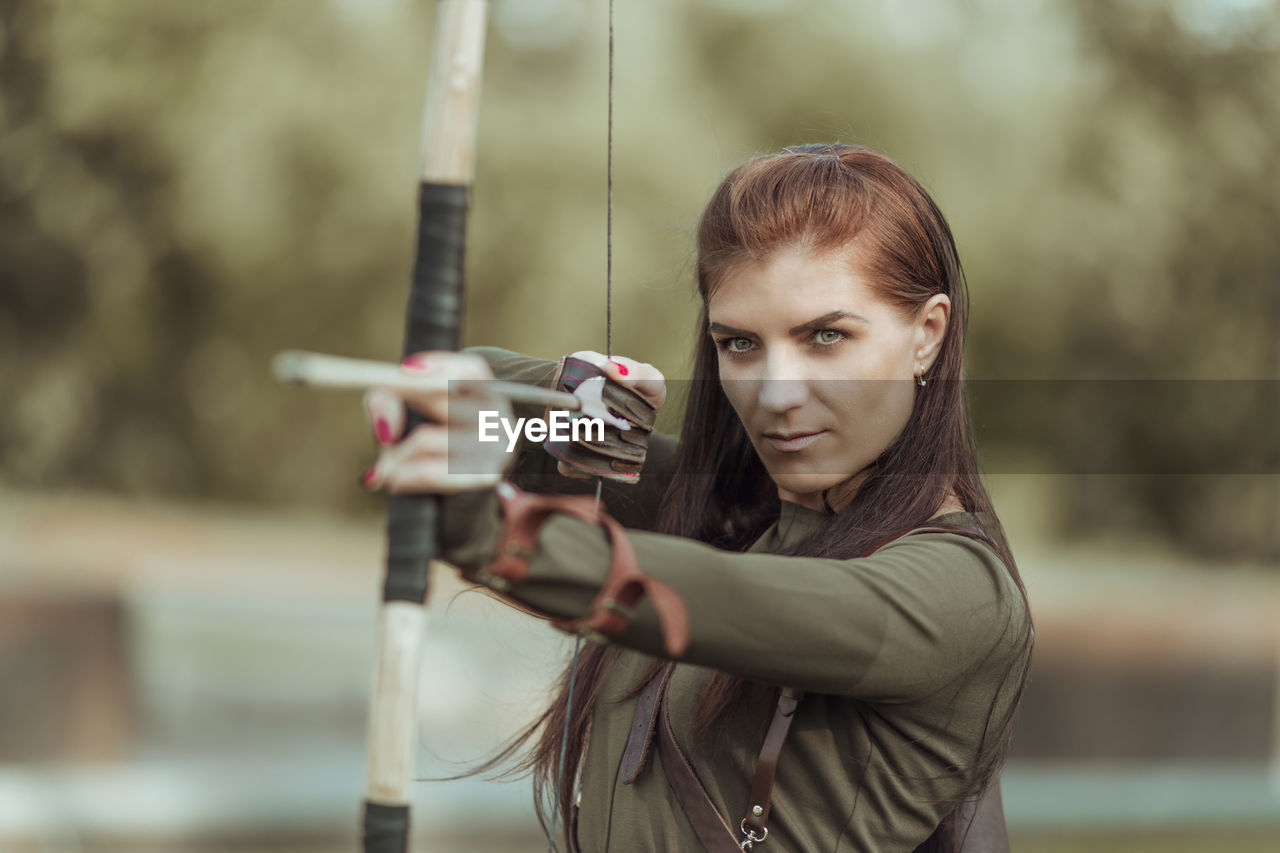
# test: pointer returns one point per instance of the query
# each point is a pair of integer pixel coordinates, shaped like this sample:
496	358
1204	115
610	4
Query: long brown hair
825	197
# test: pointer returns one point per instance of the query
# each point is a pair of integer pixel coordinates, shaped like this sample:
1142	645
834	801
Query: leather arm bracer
624	586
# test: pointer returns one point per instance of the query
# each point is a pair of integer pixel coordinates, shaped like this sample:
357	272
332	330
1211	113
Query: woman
826	425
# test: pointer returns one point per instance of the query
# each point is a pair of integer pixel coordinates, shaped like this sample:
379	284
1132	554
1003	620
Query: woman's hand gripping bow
443	454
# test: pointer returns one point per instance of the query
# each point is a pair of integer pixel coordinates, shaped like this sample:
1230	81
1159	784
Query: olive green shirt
906	657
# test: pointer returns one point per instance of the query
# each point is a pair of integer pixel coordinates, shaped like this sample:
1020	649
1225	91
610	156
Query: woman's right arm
635	505
893	627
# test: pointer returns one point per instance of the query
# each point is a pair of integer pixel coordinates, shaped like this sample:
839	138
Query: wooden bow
434	323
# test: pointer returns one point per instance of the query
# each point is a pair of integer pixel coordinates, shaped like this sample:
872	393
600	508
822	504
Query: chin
804	488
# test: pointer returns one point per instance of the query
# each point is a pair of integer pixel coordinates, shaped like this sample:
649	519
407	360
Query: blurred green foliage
186	188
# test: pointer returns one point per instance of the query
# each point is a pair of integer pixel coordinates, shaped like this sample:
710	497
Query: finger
590	356
435	458
386	413
425	441
422	451
642	377
371	477
571	472
449	365
433	476
424	475
468	375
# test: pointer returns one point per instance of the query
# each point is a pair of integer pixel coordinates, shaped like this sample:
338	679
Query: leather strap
757	818
643	724
712	831
651	713
524	513
623	589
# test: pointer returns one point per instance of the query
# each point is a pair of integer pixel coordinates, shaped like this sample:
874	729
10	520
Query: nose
782	387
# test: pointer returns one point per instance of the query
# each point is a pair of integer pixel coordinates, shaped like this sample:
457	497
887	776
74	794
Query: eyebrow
812	326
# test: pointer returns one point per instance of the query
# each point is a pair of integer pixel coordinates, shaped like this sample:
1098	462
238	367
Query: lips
792	442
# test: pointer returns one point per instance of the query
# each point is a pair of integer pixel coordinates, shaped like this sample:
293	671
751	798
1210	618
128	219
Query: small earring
920	380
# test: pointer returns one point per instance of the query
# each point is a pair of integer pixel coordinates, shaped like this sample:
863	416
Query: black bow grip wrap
434	320
620	455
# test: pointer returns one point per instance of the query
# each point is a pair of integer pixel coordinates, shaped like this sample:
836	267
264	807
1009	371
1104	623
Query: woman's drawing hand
641	377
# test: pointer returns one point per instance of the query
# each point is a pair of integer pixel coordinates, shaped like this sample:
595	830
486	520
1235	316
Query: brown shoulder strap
755	825
712	831
715	834
643	724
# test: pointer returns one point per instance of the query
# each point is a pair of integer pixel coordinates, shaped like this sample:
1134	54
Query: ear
932	322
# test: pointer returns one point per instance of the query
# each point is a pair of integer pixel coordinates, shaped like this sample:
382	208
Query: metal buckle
751	839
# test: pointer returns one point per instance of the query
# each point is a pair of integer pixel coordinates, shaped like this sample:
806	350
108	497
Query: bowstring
608	344
608	239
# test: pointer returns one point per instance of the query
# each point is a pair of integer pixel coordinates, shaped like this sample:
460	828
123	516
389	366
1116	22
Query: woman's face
819	368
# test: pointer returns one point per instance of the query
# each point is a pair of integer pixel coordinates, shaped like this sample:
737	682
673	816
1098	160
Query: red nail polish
382	430
415	362
622	369
366	479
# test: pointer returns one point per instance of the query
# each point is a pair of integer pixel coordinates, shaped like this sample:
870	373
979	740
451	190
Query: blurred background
189	574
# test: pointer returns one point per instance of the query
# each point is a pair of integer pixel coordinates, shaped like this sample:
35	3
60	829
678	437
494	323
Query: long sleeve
893	627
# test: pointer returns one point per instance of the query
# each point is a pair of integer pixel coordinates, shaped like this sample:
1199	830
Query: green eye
737	345
828	336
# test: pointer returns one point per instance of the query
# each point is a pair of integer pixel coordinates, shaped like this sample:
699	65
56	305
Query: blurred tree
186	188
1153	240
